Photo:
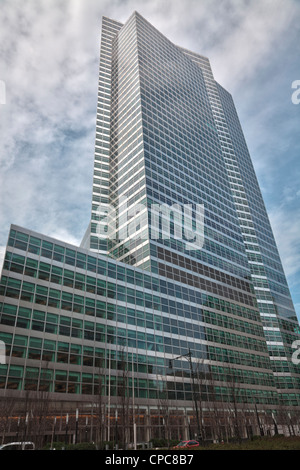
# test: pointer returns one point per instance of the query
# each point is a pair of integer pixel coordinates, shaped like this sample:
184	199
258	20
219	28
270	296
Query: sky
49	58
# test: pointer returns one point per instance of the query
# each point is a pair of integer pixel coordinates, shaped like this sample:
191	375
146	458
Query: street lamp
76	426
133	407
109	386
188	356
67	422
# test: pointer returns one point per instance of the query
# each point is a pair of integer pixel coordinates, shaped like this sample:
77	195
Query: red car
187	445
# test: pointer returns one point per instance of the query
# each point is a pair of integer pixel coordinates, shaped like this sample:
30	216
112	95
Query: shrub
82	446
159	442
63	446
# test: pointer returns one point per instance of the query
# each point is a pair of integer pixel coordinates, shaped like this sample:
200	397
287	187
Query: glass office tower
176	138
141	315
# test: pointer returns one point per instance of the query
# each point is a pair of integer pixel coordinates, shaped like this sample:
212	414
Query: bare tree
7	405
234	391
164	409
123	397
100	405
39	410
199	395
215	409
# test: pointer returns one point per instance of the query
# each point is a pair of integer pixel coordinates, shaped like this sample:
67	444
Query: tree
100	405
164	409
123	398
7	406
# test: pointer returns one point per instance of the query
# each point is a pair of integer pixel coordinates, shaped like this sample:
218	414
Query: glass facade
274	301
120	316
66	306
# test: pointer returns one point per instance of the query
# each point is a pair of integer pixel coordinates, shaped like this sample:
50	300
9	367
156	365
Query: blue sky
49	53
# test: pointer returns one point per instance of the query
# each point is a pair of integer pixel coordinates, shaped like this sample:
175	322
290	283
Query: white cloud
286	227
63	234
285	222
48	124
251	44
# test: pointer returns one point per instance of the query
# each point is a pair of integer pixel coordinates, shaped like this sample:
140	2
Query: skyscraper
177	298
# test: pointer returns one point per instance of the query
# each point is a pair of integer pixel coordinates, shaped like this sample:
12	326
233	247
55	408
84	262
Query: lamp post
188	356
76	426
109	385
116	430
53	433
26	426
133	407
86	428
18	428
67	422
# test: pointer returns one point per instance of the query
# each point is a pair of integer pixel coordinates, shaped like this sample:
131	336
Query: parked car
18	446
187	445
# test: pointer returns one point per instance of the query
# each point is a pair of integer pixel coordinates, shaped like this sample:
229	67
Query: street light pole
133	407
188	356
109	385
67	422
76	426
